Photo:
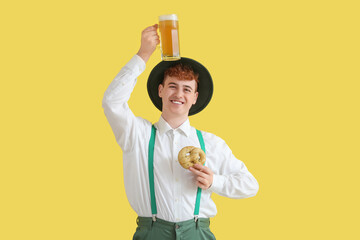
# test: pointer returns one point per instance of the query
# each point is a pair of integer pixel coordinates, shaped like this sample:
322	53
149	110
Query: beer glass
169	37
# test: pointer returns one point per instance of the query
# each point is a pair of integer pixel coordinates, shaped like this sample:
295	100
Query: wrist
143	55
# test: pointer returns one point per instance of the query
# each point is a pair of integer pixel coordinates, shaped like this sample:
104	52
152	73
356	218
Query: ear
160	89
196	97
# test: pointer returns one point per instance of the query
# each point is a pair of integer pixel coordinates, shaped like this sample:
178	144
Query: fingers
150	34
202	183
202	180
201	168
153	35
151	28
204	176
202	186
197	172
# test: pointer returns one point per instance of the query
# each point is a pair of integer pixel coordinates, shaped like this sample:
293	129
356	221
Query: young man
171	202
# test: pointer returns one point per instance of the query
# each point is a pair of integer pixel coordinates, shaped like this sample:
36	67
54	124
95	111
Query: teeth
176	102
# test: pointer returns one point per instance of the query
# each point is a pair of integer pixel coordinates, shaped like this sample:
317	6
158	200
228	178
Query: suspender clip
196	218
154	217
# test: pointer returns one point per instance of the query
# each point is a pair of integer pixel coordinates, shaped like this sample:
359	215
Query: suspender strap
201	140
198	194
151	174
151	171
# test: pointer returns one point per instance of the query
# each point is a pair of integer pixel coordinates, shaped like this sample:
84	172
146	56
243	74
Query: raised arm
122	121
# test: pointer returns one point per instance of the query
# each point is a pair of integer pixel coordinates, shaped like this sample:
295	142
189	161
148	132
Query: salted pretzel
189	156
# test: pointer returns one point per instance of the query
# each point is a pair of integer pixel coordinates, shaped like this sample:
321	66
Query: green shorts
163	230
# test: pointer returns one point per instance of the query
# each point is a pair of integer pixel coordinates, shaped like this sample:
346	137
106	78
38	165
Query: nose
178	93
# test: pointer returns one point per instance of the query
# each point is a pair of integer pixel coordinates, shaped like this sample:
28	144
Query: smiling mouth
177	102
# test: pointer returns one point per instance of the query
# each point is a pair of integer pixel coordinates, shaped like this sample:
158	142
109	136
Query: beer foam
168	17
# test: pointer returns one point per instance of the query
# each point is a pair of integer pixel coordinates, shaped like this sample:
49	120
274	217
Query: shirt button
176	199
176	180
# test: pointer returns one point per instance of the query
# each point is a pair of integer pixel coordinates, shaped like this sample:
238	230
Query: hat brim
205	87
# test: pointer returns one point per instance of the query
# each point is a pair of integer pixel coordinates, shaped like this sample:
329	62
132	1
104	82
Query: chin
179	113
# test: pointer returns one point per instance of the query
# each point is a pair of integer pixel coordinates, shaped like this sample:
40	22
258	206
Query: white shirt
175	188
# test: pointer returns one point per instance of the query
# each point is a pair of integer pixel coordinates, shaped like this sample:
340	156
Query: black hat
205	87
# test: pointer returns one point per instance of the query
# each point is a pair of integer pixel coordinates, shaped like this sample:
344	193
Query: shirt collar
162	126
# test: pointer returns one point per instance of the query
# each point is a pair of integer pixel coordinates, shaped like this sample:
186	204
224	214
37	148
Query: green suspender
198	195
151	174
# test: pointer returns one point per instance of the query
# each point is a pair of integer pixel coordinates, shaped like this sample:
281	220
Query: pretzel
189	156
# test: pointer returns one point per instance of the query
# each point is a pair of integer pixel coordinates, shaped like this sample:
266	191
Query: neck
174	122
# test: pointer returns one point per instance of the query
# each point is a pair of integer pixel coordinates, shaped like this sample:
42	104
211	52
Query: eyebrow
186	86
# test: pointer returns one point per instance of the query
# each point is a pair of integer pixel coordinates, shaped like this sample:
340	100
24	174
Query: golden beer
169	37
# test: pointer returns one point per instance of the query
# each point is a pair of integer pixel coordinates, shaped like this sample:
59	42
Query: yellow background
286	101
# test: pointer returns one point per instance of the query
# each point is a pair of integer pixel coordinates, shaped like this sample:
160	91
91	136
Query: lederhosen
155	228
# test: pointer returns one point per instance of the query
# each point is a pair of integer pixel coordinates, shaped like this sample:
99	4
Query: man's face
177	96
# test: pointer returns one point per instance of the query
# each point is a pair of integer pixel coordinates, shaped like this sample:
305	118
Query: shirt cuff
217	184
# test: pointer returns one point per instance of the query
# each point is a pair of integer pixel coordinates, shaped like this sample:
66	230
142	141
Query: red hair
182	72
